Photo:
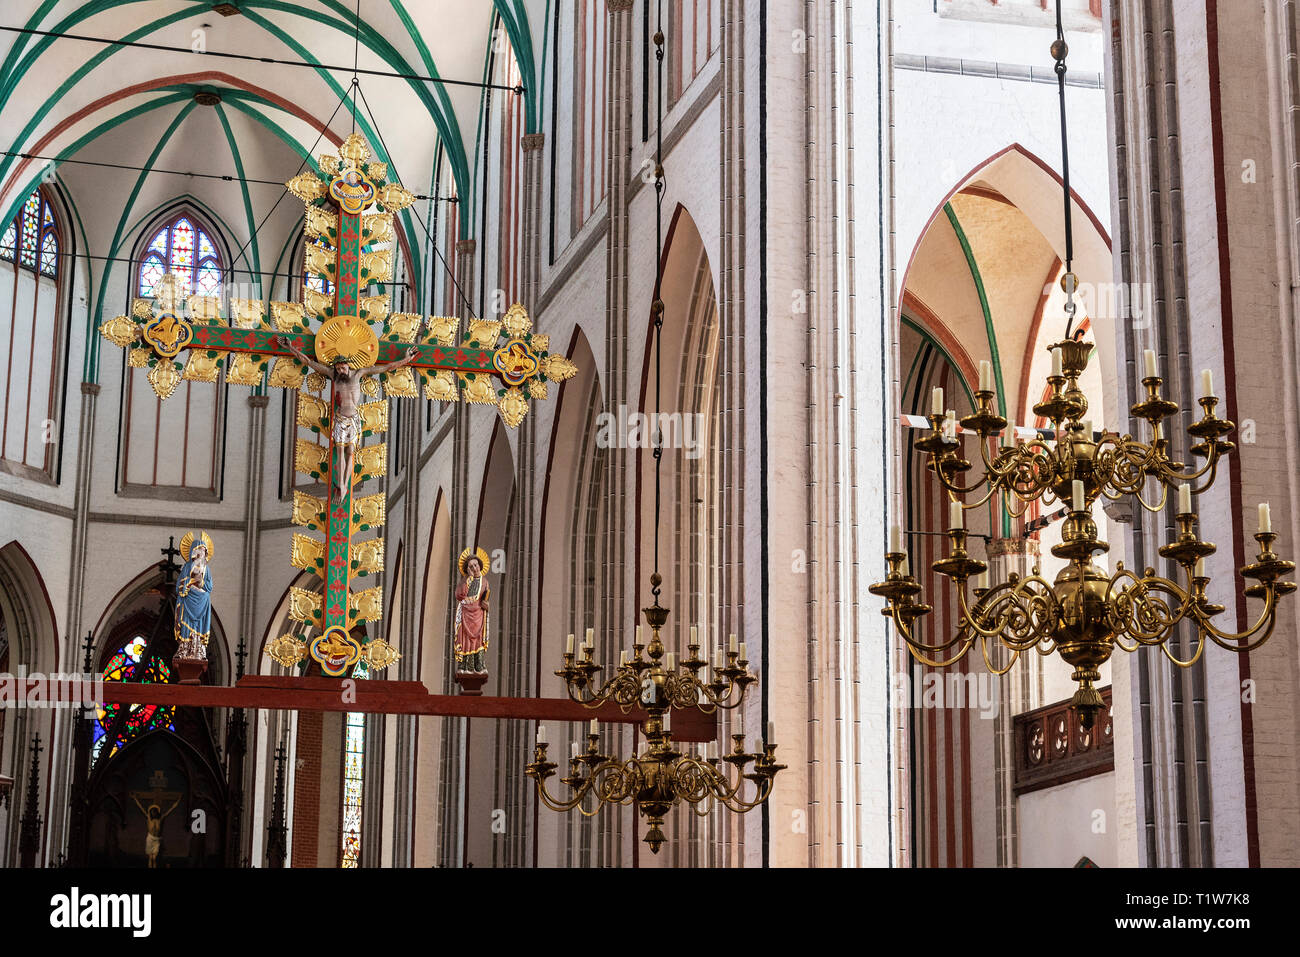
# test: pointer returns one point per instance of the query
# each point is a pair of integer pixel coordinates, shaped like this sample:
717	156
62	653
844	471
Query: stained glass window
139	718
50	254
30	218
184	248
32	239
354	766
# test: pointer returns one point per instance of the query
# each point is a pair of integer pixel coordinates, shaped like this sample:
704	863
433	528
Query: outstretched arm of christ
411	355
304	358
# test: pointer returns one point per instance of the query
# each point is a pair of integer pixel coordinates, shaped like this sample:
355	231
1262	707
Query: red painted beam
372	697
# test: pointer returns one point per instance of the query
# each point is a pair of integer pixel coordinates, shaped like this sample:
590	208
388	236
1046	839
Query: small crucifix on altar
350	338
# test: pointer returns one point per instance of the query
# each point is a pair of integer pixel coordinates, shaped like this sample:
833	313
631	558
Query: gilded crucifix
357	345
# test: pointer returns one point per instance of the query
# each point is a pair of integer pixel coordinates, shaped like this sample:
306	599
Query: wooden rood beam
286	693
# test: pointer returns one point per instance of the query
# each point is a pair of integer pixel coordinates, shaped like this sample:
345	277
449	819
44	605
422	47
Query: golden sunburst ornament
347	337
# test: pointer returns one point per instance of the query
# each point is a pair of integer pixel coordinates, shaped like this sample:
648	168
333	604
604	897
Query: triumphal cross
346	336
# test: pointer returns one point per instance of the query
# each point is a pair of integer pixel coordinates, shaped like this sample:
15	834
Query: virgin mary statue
470	641
194	596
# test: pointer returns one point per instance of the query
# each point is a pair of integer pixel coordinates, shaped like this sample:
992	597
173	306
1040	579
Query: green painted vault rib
254	259
989	331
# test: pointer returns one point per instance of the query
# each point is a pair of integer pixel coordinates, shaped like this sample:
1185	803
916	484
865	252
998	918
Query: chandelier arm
991	463
763	790
1127	462
935	663
1173	478
696	781
1159	506
967	506
716	701
1123	647
1112	492
1136	612
906	631
620	690
952	487
1200	649
1006	505
723	787
556	804
1014	595
988	663
1031	474
678	699
1232	640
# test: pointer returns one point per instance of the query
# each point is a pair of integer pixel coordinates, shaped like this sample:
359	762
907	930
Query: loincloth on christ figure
347	429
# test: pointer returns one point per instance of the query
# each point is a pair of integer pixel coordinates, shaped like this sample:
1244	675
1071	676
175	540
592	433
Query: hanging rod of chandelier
661	776
1086	612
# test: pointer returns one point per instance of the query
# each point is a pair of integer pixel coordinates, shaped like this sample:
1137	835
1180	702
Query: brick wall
306	790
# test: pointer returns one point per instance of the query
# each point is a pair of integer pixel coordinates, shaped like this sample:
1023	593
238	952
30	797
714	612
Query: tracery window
184	248
126	665
175	444
354	767
590	110
32	239
30	328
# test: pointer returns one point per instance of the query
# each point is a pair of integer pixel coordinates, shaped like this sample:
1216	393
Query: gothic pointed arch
28	640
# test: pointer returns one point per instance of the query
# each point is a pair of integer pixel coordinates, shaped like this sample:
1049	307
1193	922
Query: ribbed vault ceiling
77	100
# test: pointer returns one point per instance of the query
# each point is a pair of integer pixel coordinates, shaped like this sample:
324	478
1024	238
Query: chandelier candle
1265	519
936	402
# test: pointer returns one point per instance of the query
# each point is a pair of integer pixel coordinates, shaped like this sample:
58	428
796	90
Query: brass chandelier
662	775
1085	612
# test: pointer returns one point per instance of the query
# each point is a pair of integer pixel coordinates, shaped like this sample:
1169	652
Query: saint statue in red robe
470	640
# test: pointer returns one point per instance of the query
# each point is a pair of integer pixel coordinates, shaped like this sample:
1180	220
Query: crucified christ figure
346	416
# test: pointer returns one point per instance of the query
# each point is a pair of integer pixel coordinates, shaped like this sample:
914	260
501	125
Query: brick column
306	790
616	613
